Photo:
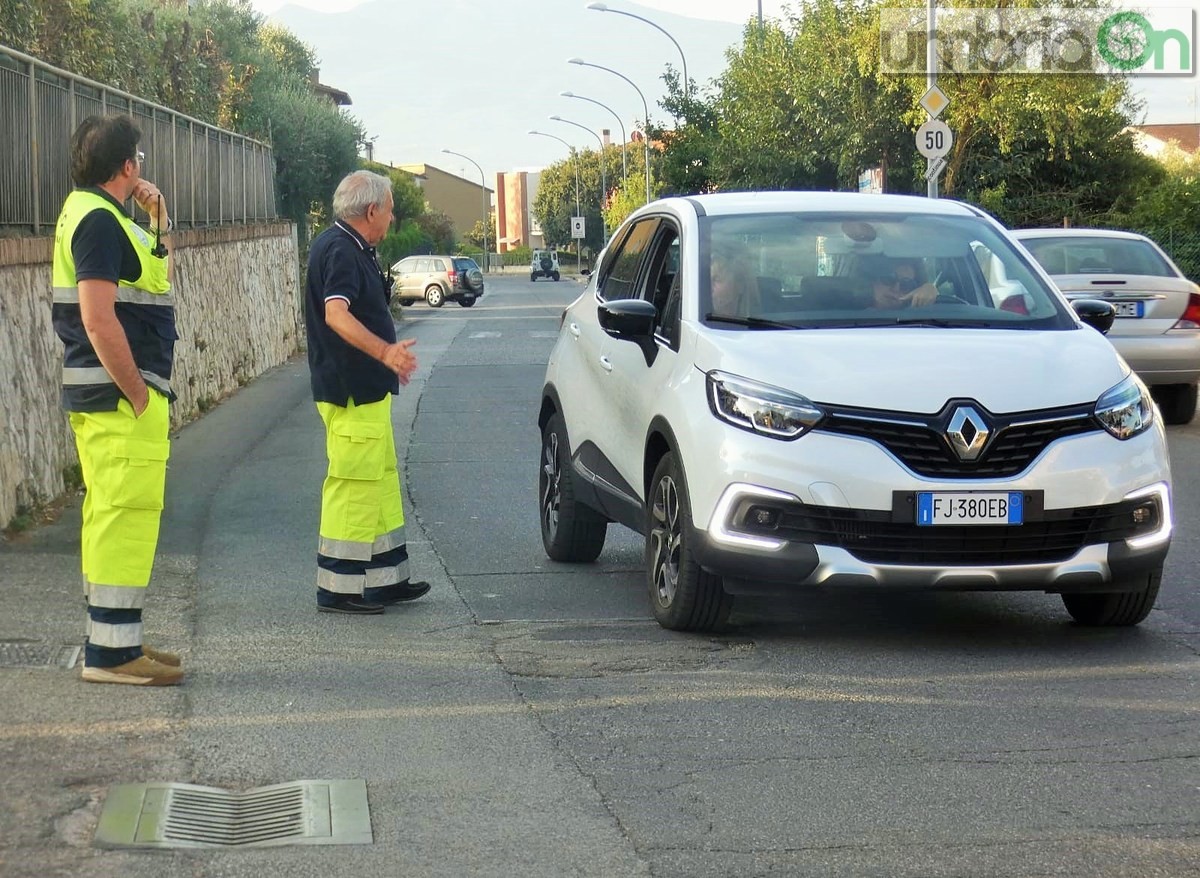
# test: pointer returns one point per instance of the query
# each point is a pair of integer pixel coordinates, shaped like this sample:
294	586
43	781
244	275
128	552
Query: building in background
456	197
515	223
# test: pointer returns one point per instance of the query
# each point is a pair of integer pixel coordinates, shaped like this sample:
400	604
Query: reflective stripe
115	636
75	376
388	541
344	550
377	577
132	295
117	597
341	583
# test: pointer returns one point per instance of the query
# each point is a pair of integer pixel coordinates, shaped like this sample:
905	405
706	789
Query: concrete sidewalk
462	777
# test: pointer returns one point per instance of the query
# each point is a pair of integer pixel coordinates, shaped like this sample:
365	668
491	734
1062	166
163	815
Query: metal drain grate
28	652
174	815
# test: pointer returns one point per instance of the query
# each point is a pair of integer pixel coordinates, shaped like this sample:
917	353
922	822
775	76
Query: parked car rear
437	280
1157	329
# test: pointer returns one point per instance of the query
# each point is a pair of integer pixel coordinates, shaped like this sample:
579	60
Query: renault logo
968	433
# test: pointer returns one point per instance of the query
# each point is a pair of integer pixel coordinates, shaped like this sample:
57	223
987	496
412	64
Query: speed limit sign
934	139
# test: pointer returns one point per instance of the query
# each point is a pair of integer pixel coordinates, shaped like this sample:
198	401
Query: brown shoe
161	656
142	671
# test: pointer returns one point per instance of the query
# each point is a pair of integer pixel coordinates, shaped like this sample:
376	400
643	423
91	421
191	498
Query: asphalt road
529	718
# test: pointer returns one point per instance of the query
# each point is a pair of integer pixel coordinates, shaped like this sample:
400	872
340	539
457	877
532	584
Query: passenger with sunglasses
900	283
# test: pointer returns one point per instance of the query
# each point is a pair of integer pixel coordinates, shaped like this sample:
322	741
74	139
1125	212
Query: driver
900	283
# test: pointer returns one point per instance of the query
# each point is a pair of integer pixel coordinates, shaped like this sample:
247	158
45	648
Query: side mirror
631	320
1095	313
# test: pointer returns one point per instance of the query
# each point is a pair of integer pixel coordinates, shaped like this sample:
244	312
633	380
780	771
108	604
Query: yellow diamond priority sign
934	101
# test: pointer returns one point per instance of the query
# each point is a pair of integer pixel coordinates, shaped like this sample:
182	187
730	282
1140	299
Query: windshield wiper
752	322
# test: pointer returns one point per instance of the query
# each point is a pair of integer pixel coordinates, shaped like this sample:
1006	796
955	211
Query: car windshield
1094	254
462	263
850	270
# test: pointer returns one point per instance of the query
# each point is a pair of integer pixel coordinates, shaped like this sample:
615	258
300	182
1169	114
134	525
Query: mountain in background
475	76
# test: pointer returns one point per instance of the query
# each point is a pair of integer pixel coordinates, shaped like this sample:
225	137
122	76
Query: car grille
919	441
874	537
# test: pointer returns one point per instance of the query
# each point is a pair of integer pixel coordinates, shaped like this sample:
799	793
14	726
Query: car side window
404	266
663	284
621	275
438	265
422	266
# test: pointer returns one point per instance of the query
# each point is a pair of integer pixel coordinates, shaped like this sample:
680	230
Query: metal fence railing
208	175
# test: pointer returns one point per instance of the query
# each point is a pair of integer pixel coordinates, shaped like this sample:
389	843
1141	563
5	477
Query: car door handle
605	364
574	328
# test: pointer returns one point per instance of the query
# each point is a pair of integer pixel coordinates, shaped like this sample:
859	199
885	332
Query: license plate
945	507
1129	309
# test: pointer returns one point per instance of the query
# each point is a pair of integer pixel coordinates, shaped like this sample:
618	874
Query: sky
494	128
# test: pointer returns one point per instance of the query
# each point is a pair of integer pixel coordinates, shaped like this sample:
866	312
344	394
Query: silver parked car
1157	329
437	280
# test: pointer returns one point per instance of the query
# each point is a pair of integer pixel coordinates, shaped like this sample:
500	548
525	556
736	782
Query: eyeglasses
139	157
903	284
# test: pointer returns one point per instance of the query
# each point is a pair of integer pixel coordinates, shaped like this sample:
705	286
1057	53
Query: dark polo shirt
342	265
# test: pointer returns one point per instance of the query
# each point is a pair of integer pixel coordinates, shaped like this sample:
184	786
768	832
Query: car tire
466	301
554	277
683	595
1115	609
532	278
1177	402
435	296
571	531
406	302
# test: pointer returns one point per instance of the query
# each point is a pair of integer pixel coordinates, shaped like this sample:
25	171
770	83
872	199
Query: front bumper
1086	549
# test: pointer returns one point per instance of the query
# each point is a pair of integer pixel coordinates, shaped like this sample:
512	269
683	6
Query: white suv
544	264
788	390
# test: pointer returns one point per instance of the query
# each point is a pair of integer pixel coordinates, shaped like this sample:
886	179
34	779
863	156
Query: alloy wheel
551	495
666	535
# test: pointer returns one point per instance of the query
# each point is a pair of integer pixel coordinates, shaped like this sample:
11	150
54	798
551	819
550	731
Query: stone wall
238	311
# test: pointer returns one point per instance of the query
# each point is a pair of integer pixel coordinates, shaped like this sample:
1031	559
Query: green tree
480	233
555	202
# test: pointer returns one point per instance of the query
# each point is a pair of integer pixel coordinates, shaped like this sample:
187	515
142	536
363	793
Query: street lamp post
483	184
645	109
603	175
624	165
603	7
575	162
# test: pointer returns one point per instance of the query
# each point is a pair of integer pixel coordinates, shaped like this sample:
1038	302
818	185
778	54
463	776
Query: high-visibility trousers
124	462
362	544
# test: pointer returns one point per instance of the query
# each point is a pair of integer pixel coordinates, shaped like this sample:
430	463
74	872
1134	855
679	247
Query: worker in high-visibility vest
357	366
115	314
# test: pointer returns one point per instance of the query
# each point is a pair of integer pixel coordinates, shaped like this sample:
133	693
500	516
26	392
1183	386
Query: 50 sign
934	139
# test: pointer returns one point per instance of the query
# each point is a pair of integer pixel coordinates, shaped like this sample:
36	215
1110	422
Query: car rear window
1093	254
465	264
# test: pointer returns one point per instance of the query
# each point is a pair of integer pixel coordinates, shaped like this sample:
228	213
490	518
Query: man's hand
399	359
922	296
149	198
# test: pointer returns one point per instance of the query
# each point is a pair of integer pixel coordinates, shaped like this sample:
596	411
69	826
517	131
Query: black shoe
395	594
351	605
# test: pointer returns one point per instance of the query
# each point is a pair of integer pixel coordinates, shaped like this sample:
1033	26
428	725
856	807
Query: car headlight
1127	409
761	408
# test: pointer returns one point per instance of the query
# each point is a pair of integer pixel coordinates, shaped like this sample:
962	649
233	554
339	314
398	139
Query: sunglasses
903	284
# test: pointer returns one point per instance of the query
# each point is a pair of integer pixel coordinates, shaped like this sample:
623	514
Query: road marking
484	335
543	335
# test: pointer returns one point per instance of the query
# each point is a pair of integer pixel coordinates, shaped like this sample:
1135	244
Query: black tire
684	596
435	296
474	279
406	302
466	301
571	532
554	277
532	277
1177	402
1115	609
